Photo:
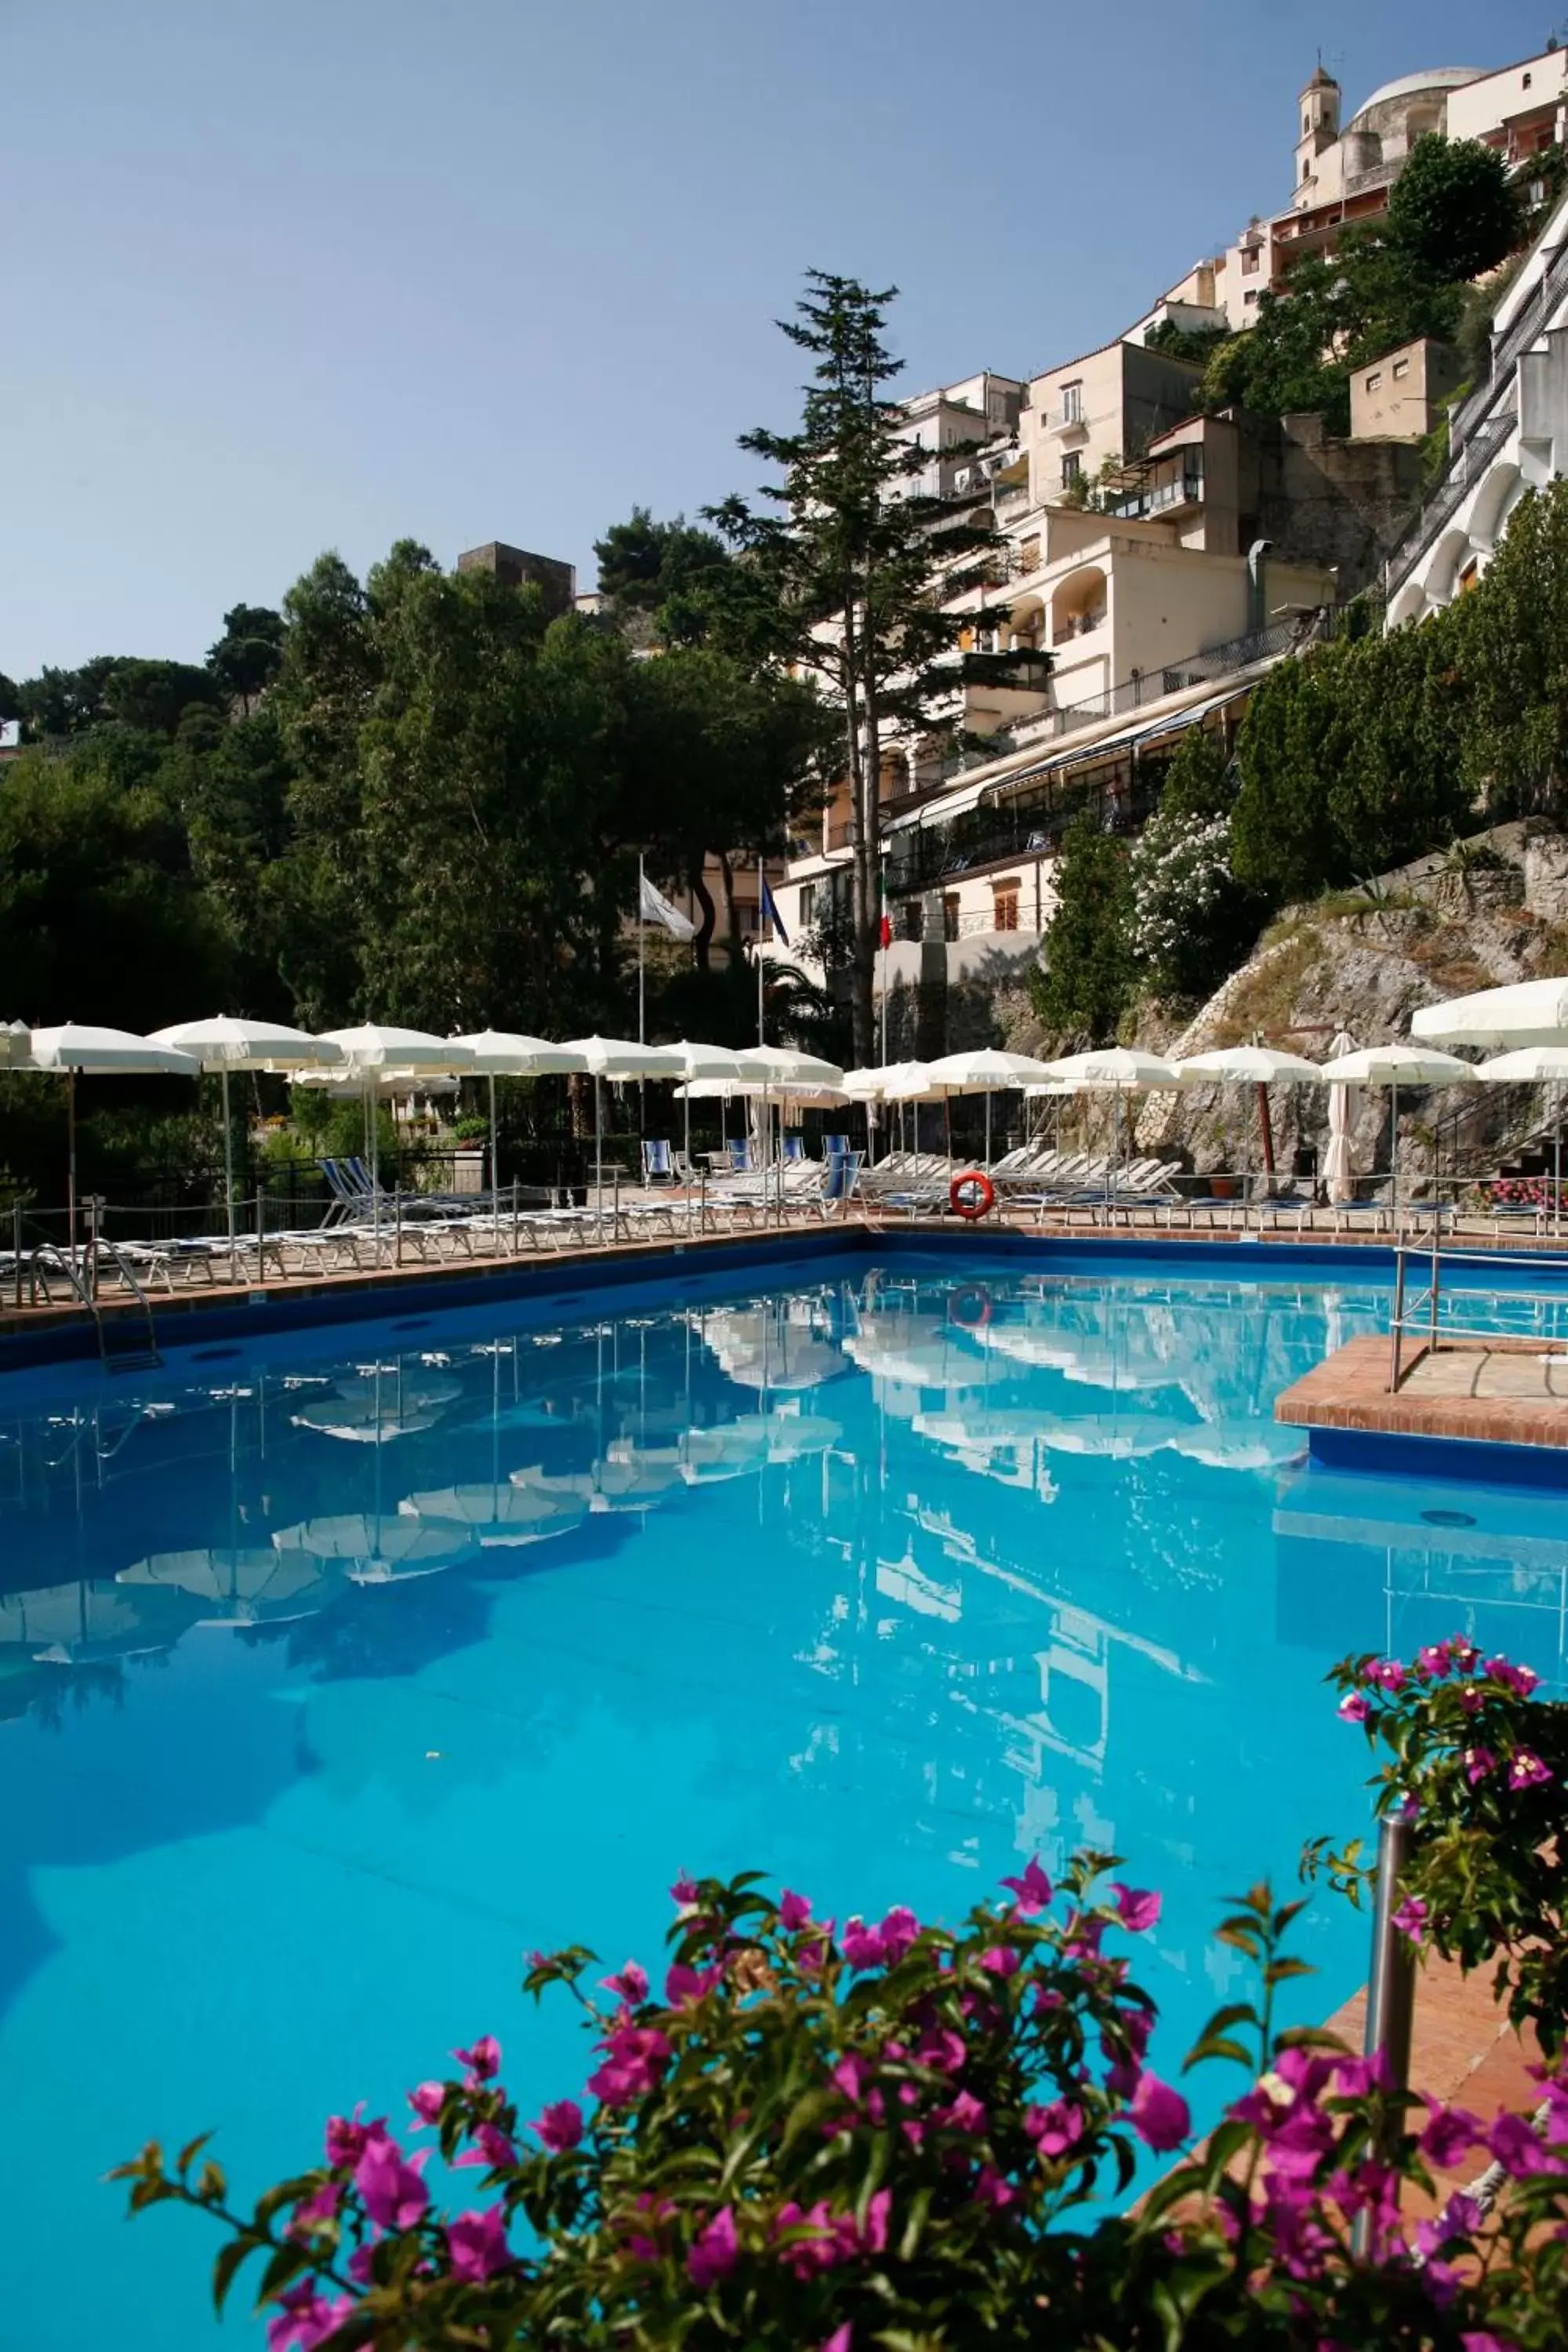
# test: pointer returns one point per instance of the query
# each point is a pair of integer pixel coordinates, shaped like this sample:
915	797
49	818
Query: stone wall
1343	504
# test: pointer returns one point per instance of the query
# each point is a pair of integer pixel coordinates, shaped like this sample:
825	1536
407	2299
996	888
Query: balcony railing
1065	420
1525	327
1077	624
1183	490
1465	471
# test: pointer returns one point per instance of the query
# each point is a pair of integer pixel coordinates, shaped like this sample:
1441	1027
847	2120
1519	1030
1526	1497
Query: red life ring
970	1309
972	1195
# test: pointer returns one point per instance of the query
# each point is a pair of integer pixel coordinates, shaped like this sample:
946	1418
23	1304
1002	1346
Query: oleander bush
907	2135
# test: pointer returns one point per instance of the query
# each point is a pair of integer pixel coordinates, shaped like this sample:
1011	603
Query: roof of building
1412	85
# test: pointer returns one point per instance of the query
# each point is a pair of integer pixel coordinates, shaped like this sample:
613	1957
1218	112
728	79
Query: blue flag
771	912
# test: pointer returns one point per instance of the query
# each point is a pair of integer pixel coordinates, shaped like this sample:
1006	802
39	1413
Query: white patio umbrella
1395	1066
1537	1066
495	1515
375	1047
77	1048
986	1071
501	1054
617	1059
1122	1069
1345	1105
1530	1013
702	1066
1251	1066
226	1044
784	1069
14	1039
380	1550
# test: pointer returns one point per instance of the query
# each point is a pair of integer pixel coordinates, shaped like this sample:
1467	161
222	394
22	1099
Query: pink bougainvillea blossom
965	2113
394	2194
1001	1961
559	2125
476	2244
347	2137
1449	2135
1056	2128
428	2099
628	1984
1033	1890
794	1911
305	2318
1478	1762
682	1984
1411	1918
863	1947
1355	1707
491	2147
483	2060
1161	2116
713	2255
635	2056
1526	1771
1136	1908
900	1931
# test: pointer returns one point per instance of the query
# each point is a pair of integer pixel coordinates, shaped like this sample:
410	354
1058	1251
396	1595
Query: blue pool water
337	1670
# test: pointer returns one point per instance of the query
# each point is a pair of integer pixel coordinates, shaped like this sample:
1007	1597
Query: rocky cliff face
1361	963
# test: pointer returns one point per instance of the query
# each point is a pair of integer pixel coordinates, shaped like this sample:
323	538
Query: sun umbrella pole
495	1160
598	1160
686	1096
228	1179
1557	1160
988	1127
1394	1153
71	1161
371	1108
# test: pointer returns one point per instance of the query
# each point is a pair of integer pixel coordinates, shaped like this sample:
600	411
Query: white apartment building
1511	432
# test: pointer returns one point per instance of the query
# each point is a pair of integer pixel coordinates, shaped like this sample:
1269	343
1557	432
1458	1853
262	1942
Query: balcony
1065	425
1166	493
1026	670
1077	624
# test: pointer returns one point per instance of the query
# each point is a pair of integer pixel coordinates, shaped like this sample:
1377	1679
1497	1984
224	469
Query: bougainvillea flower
840	2341
1000	1960
483	2060
683	1984
943	2052
1387	1673
684	1892
1034	1890
347	2137
898	1931
628	1984
794	1911
394	2196
1161	2116
1517	2148
863	1947
1357	2078
428	2099
1526	1771
1354	1707
491	2147
1434	1661
1136	1908
304	2318
476	2243
559	2125
1053	2130
713	2255
1411	1918
634	2061
1478	1762
1450	2136
322	2206
966	2112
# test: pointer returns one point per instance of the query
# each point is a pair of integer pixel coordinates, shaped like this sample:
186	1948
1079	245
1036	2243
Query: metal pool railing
1418	1313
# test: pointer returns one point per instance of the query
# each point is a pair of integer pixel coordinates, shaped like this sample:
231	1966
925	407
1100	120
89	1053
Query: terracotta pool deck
1502	1392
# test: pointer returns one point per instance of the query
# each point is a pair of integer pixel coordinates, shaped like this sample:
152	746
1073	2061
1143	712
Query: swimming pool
337	1668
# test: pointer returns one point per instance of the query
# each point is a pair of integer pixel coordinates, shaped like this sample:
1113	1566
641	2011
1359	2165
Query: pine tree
850	571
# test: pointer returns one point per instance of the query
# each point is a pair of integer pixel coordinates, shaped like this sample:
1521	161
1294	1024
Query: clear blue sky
331	272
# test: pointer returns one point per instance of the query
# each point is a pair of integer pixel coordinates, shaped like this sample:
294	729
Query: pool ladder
143	1354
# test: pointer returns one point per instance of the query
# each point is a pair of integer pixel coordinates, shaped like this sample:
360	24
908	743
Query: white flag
653	907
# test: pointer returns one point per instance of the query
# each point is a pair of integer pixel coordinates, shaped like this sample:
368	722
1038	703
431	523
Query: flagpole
882	945
642	936
762	885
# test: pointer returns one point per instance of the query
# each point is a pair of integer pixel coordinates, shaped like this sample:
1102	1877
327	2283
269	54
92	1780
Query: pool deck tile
1507	1392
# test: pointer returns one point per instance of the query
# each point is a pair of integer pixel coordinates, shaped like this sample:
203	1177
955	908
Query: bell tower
1318	121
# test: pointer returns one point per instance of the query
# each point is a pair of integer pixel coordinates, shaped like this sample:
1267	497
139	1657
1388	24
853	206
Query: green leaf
1217	2045
229	2262
190	2151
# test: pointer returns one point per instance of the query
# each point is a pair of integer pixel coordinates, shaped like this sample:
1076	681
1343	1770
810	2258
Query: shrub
904	2136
